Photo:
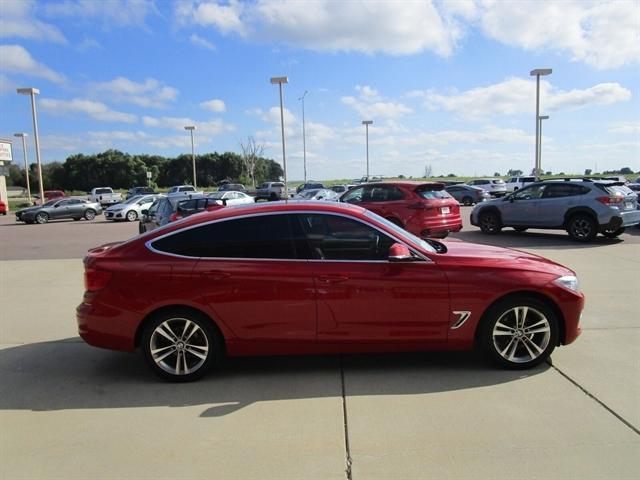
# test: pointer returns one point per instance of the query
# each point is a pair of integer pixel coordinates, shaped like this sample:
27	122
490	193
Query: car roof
401	183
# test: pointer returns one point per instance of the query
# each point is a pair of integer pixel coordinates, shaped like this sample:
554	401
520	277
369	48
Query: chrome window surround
314	212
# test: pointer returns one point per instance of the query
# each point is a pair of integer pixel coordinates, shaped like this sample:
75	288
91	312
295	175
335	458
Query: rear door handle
215	274
328	279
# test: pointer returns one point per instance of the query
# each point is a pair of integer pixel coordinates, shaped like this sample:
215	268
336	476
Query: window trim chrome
148	243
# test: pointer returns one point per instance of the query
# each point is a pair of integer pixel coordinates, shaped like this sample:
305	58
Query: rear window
432	193
101	191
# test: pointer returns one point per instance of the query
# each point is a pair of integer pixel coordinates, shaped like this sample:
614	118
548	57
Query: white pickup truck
105	196
516	183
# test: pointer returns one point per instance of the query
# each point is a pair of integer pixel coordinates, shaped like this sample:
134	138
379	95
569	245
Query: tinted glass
100	191
432	194
333	237
557	190
354	195
498	182
530	193
267	236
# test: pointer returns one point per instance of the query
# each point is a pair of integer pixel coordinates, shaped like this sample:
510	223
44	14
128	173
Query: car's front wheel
89	214
519	332
613	233
42	218
582	228
490	222
181	345
132	216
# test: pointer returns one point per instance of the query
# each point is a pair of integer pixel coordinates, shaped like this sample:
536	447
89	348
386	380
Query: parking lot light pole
538	72
191	128
26	163
366	124
540	119
32	92
304	138
280	81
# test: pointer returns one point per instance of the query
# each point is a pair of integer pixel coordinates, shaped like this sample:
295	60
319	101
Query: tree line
120	170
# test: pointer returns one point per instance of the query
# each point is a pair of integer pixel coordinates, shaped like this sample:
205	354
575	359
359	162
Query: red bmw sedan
318	277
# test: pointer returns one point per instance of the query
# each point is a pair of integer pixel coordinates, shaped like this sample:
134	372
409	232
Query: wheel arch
175	308
579	210
493	209
523	293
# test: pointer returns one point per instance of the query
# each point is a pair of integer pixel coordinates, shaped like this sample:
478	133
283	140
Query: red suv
424	209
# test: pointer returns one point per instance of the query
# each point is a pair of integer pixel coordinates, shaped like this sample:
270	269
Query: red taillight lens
610	200
174	217
96	279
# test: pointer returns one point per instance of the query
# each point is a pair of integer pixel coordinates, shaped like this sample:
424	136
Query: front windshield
401	232
132	200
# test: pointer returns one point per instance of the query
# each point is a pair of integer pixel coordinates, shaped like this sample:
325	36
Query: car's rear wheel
181	345
490	222
520	229
519	332
613	233
132	216
582	228
467	201
90	214
42	218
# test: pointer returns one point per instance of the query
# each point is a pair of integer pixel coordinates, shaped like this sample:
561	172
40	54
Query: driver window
332	237
354	196
530	193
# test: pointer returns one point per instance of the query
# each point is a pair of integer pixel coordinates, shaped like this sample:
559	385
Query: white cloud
517	96
6	85
273	115
117	13
370	105
215	105
201	42
15	59
326	25
212	127
95	110
601	34
18	21
151	93
625	127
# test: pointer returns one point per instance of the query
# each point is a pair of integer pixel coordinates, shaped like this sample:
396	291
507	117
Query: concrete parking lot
68	410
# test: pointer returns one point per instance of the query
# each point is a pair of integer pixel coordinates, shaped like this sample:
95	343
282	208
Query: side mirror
400	253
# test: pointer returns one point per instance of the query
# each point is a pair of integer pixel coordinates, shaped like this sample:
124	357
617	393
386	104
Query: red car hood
477	255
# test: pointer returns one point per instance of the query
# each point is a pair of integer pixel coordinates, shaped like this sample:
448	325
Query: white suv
516	183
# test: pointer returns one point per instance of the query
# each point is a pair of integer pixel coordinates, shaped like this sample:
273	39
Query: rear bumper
630	218
105	326
436	226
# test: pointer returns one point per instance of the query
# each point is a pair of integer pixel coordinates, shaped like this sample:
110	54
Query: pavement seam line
592	396
347	449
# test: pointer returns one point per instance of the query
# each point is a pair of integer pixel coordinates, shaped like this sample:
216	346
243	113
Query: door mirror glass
400	253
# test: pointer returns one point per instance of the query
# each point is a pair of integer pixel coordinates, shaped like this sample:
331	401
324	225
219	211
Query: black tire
204	340
89	214
42	218
610	233
466	201
273	197
132	218
75	219
141	228
520	229
582	228
490	222
507	343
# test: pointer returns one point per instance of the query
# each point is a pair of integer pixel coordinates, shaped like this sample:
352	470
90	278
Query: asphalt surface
68	410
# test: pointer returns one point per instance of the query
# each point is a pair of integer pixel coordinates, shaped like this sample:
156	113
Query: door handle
215	274
328	279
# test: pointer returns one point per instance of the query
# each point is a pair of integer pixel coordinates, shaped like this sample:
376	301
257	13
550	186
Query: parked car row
59	209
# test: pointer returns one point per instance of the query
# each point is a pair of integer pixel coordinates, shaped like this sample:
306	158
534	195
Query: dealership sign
5	151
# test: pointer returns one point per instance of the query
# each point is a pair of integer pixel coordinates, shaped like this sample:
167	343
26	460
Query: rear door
556	200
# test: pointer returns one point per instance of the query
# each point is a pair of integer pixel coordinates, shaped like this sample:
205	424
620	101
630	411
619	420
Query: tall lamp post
191	128
540	119
366	124
26	164
32	92
280	81
304	138
538	72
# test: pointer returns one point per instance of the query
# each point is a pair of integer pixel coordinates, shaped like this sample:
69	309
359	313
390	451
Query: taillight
610	200
96	279
174	216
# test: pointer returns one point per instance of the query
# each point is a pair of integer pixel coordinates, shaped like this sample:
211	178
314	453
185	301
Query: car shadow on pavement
68	374
537	239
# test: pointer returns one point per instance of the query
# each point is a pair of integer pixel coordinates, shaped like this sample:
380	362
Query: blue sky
446	83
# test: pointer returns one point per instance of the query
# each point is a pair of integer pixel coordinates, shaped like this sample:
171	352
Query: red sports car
318	277
424	208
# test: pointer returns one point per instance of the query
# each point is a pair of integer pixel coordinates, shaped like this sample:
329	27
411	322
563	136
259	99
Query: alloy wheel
179	346
521	334
132	216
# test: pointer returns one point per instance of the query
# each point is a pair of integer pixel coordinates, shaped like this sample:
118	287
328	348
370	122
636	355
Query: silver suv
495	186
583	208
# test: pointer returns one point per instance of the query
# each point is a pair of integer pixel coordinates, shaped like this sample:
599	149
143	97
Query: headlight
569	281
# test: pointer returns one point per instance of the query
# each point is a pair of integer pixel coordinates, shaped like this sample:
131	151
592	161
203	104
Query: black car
140	191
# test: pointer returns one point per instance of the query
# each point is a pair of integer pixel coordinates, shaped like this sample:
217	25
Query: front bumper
119	215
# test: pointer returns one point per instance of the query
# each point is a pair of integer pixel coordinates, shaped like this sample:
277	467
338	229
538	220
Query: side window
512	180
332	237
267	236
354	196
453	189
63	203
530	193
558	190
394	193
